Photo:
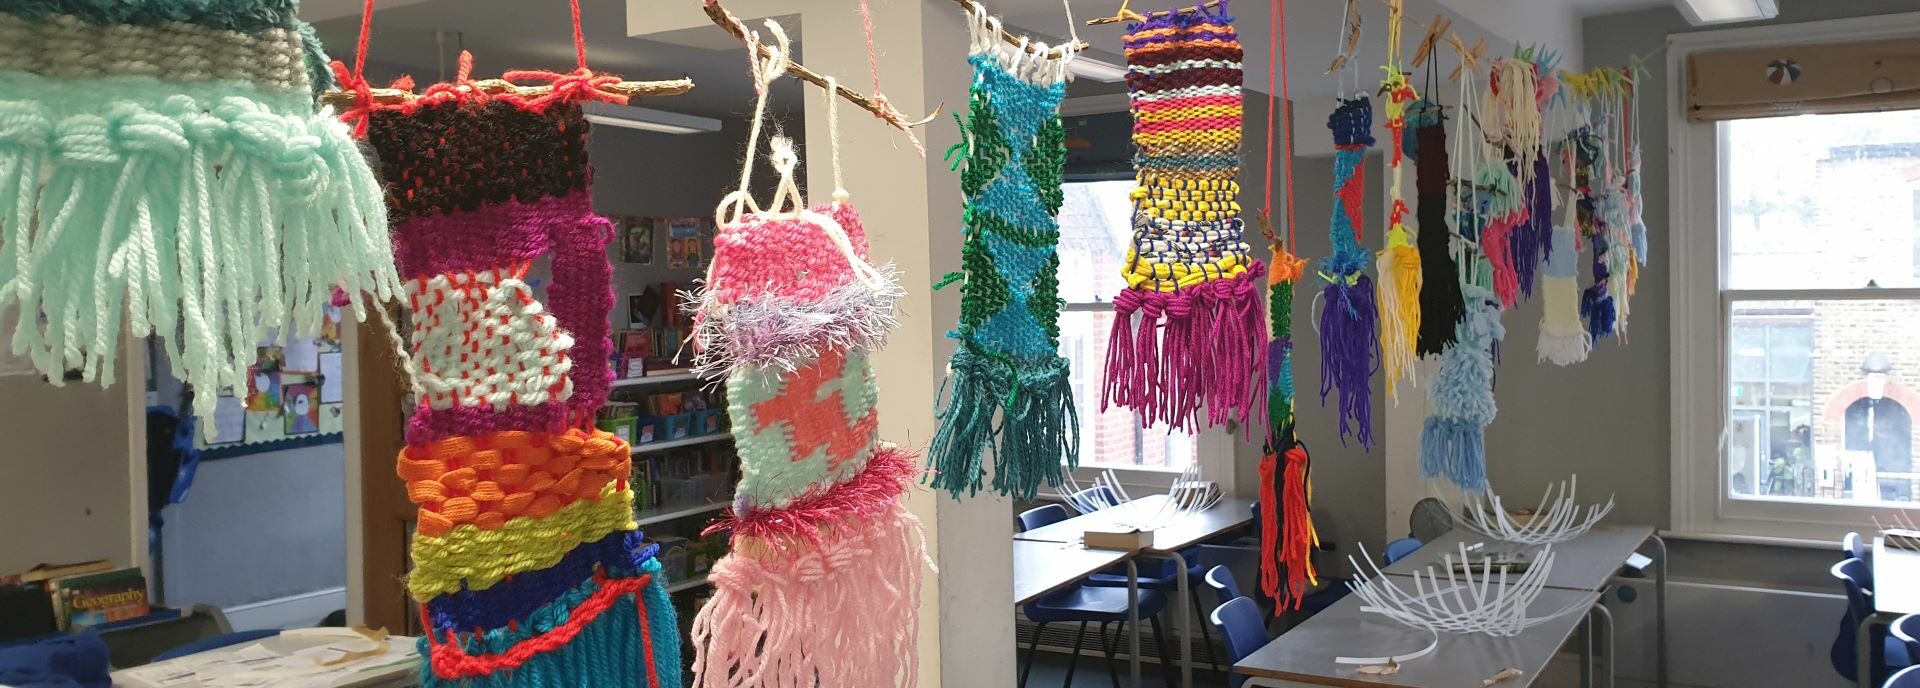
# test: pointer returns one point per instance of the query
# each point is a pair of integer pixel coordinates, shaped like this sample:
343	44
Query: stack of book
58	597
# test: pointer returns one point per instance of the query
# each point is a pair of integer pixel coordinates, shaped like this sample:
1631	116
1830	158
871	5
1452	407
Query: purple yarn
1349	353
1532	241
431	425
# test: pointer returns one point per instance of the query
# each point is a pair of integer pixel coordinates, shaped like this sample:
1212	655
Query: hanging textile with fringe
1453	444
1533	239
1197	338
1007	393
1441	305
164	171
1398	262
1563	340
822	582
1349	330
1287	536
527	563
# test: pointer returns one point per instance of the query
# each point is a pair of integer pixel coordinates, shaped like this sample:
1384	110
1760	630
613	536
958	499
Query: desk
288	659
1896	593
1304	655
1226	516
1589	562
1043	567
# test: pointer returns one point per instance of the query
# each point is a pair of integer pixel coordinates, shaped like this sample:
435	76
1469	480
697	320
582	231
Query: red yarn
451	661
1269	528
1299	540
867	495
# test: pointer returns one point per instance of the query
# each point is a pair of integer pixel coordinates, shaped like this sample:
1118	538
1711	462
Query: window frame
1701	306
1214	447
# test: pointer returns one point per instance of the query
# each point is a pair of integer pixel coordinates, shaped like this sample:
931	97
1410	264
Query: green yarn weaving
161	163
1008	394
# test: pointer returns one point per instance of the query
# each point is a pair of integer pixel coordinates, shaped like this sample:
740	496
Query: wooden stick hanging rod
630	89
1055	52
885	111
1117	18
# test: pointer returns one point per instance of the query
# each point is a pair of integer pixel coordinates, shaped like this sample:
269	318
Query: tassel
1441	306
1504	212
1349	340
1037	427
1270	518
1400	278
842	614
1596	304
581	639
1300	539
1533	239
1451	443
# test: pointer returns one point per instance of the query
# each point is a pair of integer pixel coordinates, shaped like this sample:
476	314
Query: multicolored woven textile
1349	324
822	583
1199	338
526	559
163	162
1453	441
1008	393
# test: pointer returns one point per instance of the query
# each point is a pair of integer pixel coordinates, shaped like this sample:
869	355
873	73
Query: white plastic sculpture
1491	602
1188	495
1560	522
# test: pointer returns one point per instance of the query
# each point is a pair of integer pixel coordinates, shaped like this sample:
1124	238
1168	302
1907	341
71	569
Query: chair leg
1167	659
1111	649
1032	651
1074	659
1206	635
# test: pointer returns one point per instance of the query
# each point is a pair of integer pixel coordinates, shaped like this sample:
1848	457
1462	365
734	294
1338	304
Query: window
1096	228
1796	312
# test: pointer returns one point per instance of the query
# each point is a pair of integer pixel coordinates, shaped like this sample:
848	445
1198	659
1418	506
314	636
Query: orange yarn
487	479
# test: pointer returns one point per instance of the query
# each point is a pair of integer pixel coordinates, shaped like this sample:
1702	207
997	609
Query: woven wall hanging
1008	391
1349	325
163	162
1398	262
822	584
527	563
1197	339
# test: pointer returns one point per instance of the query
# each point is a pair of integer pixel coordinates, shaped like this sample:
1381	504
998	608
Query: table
1589	562
1896	593
1043	567
1224	517
1304	656
289	659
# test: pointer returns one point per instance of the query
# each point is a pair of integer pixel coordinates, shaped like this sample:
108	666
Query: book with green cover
97	598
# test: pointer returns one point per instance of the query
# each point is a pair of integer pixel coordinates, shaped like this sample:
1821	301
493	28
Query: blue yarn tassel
607	651
1037	427
1452	443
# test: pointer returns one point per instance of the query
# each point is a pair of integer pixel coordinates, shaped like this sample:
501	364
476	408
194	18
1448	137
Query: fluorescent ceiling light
648	119
1096	70
1701	12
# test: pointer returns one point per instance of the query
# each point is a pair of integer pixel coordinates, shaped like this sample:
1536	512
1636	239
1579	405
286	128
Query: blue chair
1907	629
1239	622
1888	652
1086	604
216	642
1399	549
1225	588
1154	575
1907	678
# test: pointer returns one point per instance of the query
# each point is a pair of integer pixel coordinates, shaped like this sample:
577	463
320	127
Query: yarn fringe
774	331
210	227
1201	346
845	614
1455	450
1287	535
1399	267
868	494
1563	341
1349	353
1452	443
584	638
1022	414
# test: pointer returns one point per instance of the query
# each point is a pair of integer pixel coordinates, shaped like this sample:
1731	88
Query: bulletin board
294	397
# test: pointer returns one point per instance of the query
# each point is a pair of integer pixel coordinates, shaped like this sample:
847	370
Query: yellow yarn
485	557
1399	302
1170	277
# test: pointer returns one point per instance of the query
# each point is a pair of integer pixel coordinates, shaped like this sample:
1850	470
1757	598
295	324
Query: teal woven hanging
162	162
1008	392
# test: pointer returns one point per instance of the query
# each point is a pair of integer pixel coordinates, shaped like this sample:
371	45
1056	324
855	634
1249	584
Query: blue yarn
605	653
1455	450
520	596
1452	443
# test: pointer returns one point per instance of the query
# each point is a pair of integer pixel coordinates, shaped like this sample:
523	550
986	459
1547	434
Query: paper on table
333	381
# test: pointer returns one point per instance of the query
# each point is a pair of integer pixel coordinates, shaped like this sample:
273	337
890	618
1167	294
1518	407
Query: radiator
1725	636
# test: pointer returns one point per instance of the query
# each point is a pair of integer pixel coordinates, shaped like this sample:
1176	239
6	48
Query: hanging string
579	40
873	66
833	138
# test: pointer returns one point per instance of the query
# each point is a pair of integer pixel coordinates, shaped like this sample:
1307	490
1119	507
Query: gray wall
64	472
259	527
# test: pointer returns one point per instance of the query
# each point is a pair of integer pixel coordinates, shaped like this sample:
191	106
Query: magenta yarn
431	425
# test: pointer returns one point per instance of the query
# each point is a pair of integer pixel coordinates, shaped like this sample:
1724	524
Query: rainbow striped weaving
1199	339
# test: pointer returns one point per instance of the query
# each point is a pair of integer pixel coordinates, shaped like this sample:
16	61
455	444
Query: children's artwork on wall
636	238
293	398
302	409
684	246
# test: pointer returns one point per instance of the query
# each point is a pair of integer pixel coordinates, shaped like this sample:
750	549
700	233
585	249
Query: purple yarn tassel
1533	240
1349	353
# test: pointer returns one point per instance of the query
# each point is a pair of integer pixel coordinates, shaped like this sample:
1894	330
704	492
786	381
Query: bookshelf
688	584
653	447
664	514
657	379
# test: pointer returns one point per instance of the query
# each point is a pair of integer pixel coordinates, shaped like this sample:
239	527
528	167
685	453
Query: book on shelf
47	572
91	599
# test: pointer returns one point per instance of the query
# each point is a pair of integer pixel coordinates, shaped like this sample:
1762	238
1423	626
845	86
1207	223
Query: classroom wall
258	527
64	481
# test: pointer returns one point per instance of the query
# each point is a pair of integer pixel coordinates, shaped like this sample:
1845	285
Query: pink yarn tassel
1119	387
843	614
1497	242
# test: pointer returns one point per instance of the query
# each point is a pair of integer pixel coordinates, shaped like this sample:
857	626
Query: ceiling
421	37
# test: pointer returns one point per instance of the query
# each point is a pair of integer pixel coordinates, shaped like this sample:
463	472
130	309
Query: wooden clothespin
1352	30
1469	59
1430	43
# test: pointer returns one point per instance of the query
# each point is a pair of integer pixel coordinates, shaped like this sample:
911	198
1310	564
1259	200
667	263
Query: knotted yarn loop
24	125
85	141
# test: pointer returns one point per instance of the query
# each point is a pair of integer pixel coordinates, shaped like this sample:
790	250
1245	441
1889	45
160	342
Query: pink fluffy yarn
756	256
805	617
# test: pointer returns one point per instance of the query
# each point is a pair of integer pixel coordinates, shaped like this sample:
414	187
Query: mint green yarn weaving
163	171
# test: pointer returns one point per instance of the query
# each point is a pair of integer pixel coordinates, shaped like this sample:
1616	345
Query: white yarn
514	355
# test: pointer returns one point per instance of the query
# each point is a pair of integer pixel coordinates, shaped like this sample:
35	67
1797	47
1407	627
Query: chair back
1907	678
1041	516
1851	546
1907	629
1224	586
1399	549
1091	499
1857	578
1240	625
